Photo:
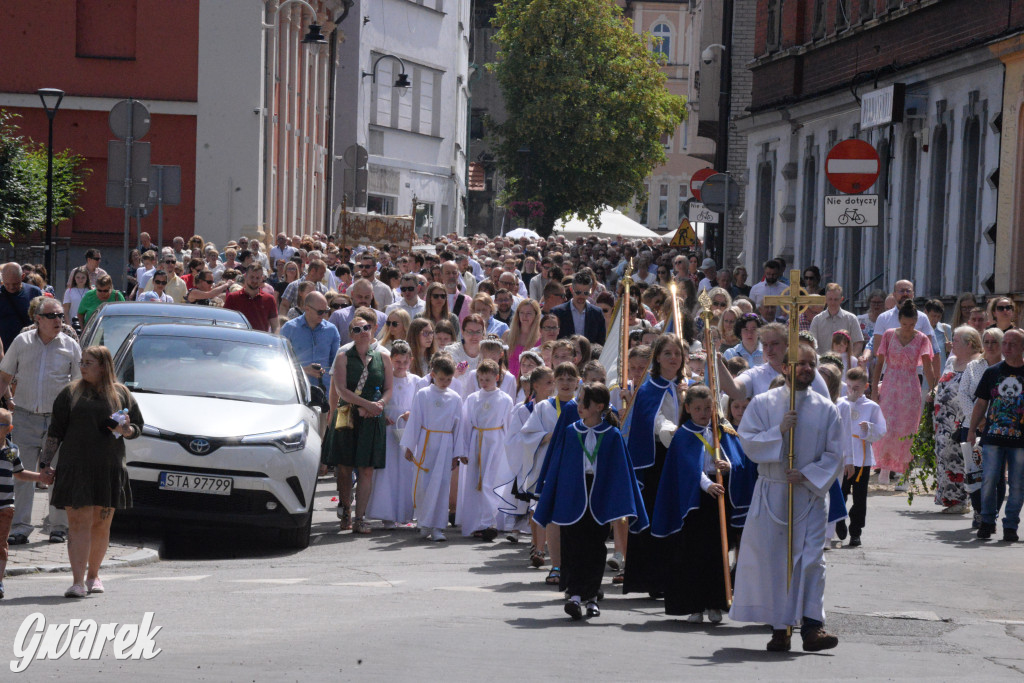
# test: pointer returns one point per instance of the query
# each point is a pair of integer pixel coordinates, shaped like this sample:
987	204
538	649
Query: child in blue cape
686	512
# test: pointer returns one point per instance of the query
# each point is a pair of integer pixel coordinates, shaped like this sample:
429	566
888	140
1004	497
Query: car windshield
112	330
215	368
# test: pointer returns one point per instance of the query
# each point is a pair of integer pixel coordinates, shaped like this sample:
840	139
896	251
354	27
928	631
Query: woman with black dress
92	476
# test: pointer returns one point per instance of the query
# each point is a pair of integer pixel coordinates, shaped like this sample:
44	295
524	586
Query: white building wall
784	138
431	168
230	86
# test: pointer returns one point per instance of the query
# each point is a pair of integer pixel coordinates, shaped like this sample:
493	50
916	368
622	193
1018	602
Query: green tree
23	182
586	96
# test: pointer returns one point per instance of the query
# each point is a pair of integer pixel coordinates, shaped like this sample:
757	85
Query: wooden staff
723	523
793	300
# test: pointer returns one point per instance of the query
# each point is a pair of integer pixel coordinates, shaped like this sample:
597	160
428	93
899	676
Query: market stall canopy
612	224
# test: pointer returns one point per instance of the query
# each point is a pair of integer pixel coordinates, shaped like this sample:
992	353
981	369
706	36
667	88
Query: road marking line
199	577
65	576
277	581
369	584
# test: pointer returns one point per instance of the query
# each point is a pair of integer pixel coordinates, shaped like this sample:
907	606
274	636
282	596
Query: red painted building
99	52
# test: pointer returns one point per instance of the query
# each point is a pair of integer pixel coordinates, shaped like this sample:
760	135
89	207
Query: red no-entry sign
697	181
852	166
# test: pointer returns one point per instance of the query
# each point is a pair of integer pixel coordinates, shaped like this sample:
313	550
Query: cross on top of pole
794	300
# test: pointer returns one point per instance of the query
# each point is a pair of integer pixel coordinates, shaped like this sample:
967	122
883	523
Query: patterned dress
900	397
949	459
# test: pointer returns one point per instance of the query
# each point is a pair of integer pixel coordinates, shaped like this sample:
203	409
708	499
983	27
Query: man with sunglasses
578	315
314	340
410	302
176	287
382	294
44	360
92	266
95	298
251	301
314	273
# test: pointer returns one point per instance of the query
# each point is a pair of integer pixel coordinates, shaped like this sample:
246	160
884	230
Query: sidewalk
39	555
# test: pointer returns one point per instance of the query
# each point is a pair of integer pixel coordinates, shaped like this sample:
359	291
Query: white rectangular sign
702	214
851	211
883	106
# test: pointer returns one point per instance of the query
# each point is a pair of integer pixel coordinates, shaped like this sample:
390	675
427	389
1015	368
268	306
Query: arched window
662	40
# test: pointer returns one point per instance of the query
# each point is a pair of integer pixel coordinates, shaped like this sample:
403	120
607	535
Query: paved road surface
921	600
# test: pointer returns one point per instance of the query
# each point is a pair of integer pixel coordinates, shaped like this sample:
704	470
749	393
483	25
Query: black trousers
695	577
583	556
645	554
858	484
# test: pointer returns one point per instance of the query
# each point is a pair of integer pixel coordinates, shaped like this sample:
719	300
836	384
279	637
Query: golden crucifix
794	300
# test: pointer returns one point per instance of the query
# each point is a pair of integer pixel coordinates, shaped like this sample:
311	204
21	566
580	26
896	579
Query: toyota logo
199	446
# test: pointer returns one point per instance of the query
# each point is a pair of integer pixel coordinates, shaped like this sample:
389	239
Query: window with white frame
663	207
662	33
417	109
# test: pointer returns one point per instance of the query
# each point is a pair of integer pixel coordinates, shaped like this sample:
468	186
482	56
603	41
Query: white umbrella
612	223
522	232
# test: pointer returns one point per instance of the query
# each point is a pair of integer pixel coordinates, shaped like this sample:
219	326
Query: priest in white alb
761	595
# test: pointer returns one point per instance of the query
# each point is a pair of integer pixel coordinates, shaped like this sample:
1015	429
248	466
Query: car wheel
299	538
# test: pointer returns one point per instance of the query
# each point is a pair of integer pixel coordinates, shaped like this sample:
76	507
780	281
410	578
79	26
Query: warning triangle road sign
685	236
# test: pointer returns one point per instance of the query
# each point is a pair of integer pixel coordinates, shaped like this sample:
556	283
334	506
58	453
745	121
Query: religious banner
370	229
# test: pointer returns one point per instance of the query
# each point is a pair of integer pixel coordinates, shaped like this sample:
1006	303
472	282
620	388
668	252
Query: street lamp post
51	99
403	77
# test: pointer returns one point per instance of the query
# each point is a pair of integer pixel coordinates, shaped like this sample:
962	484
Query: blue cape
742	478
614	493
836	502
639	427
570	414
679	489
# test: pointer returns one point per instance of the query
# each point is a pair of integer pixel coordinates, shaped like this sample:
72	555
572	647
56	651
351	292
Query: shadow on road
738	655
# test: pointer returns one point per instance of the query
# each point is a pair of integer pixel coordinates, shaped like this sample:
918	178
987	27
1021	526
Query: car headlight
150	430
287	440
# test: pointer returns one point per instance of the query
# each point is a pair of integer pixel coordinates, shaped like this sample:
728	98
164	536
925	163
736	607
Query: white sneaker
695	618
900	488
616	562
715	616
958	509
438	536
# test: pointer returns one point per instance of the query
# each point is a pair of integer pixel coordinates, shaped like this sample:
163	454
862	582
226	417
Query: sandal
554	576
619	578
536	558
361	527
346	520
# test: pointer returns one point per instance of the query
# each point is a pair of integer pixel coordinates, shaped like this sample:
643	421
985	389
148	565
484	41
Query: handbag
972	467
343	417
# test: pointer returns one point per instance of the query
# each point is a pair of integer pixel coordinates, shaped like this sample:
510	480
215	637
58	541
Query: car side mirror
317	397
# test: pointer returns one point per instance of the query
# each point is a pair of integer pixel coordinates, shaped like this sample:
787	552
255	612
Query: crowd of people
464	389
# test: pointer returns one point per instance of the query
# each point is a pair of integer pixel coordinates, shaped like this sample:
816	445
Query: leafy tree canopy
23	182
586	96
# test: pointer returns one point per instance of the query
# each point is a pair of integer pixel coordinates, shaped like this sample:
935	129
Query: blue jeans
993	460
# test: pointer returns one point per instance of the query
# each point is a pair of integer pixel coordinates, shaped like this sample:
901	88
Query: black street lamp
51	98
401	82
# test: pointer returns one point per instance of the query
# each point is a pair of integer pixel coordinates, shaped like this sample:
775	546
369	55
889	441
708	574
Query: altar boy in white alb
431	443
761	595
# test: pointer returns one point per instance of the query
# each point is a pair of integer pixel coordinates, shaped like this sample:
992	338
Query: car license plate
195	483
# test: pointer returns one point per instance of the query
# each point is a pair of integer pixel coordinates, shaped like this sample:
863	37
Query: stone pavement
39	555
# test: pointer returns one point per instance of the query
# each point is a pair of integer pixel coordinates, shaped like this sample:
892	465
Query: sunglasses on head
356	329
52	316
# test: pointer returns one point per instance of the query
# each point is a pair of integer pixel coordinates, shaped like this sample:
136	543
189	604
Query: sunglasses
357	329
209	282
408	289
549	328
718	304
438	296
1004	307
393	323
320	311
159	282
52	316
367	266
335	307
103	291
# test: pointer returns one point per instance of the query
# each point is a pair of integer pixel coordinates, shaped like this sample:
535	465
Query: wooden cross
794	300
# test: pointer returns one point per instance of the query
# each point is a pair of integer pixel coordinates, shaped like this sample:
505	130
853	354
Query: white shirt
858	439
762	289
42	370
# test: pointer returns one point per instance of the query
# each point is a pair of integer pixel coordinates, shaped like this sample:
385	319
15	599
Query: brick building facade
939	182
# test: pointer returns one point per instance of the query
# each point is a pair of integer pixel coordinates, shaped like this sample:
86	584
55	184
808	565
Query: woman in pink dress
523	334
902	349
